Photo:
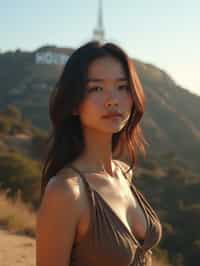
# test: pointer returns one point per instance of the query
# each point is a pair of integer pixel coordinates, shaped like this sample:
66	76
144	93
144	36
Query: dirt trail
16	249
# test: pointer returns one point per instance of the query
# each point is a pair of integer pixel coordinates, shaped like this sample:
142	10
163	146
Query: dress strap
86	183
81	175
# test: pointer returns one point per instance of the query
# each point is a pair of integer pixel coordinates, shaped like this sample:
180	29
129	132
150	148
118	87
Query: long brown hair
65	141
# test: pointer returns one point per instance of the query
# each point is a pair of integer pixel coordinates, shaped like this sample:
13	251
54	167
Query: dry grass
15	216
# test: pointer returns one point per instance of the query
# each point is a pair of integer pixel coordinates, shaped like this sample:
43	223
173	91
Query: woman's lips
112	116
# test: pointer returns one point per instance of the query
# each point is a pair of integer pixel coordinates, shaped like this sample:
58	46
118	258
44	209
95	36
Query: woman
91	213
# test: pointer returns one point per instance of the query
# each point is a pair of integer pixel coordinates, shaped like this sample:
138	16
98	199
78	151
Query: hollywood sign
51	58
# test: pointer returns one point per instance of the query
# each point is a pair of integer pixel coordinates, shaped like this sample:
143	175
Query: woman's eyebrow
99	80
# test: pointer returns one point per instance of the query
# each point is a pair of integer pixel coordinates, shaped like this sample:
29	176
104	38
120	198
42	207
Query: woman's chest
120	201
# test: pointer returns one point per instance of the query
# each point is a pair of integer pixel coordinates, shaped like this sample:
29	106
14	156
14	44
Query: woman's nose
111	104
111	100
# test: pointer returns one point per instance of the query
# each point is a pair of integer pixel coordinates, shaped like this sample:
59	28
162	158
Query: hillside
18	134
171	122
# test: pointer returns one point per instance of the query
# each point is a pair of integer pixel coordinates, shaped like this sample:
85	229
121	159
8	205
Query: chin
111	129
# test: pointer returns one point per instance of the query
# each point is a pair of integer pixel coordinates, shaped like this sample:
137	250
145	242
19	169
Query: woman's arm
57	221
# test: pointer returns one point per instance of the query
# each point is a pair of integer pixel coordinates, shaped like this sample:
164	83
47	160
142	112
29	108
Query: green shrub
20	173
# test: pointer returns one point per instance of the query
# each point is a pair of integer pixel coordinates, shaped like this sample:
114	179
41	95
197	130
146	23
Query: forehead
106	68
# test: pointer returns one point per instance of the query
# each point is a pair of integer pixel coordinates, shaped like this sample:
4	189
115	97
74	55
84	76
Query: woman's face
107	90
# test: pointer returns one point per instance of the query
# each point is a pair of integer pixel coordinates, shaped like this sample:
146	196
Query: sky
163	33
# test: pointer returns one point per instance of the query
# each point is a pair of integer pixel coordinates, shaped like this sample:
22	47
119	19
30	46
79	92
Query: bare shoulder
65	186
58	219
60	195
64	180
125	167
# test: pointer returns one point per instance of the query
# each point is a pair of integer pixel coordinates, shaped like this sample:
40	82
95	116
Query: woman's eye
124	87
95	89
99	89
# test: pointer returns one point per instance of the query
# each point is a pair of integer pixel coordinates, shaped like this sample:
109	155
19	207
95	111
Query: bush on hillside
20	173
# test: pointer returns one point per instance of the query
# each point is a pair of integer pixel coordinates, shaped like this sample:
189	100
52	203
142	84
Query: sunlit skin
107	90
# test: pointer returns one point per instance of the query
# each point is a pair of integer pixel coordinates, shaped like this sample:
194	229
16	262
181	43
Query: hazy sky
163	33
